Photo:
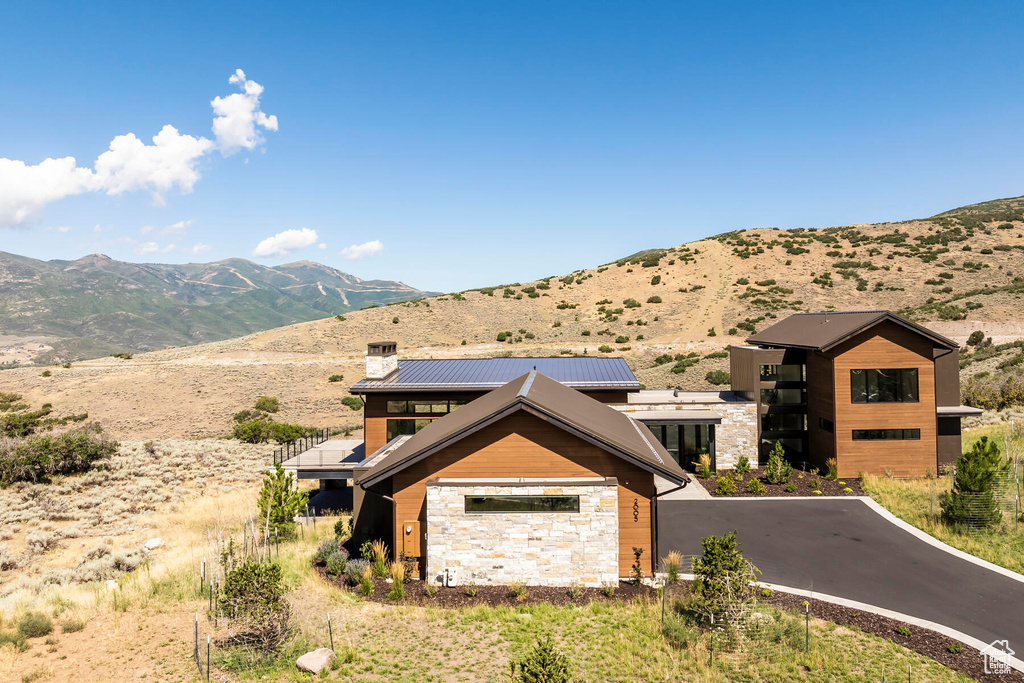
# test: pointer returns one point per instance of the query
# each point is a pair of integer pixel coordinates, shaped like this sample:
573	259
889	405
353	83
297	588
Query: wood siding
885	346
522	445
375	410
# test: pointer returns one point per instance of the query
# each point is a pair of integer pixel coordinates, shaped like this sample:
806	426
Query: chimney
381	359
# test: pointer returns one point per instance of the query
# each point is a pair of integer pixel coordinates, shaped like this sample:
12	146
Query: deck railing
298	446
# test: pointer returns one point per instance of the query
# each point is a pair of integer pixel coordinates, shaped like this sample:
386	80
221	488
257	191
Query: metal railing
293	449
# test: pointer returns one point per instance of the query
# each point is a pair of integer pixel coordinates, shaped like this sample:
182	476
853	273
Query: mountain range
96	305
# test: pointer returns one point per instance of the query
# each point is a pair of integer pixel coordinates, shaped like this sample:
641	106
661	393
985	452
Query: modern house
875	391
549	470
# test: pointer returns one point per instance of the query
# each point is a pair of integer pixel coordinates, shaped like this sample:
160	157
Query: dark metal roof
550	400
823	331
470	374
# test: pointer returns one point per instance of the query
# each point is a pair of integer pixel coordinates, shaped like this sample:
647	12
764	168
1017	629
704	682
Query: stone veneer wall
736	436
538	548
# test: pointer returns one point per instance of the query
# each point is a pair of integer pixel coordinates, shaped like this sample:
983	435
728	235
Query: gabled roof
483	374
551	401
823	331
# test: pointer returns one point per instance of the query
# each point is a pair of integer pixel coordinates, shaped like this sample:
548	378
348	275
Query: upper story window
421	407
884	386
783	397
783	373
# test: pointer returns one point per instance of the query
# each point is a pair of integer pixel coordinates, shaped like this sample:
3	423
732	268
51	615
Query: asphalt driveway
850	551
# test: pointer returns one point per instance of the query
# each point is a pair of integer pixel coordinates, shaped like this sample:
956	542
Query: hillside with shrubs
670	312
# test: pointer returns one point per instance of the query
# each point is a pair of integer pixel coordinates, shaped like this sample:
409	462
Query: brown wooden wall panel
375	413
522	445
821	404
885	346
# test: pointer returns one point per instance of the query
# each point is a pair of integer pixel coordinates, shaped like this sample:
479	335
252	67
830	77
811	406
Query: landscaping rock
154	543
316	661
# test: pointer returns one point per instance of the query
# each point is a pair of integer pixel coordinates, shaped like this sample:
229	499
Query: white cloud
322	245
238	115
201	248
146	248
363	250
283	243
129	164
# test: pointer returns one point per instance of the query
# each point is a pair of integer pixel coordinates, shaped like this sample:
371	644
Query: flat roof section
676	416
672	396
483	374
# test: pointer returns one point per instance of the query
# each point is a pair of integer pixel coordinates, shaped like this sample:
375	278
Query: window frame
909	434
862	382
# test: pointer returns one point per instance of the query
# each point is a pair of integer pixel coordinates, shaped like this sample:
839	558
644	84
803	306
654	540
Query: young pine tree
280	501
972	501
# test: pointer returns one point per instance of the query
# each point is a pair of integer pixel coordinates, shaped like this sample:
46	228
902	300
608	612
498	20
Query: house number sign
636	510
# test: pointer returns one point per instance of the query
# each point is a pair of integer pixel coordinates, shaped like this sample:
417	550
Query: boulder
316	661
154	543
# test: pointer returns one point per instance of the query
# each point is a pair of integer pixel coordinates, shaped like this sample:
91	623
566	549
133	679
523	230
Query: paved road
850	551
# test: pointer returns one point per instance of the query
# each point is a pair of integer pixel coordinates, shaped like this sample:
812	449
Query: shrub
903	630
712	333
955	647
72	625
604	348
38	458
726	486
366	581
354	571
743	464
654	299
789	488
723	578
280	500
575	590
47	373
543	664
337	562
327	547
777	470
678	633
976	338
656	280
608	589
972	500
253	599
631	303
34	625
470	589
13	638
342	528
122	356
718	377
353	402
267	404
335	378
756	488
517	589
636	572
394	320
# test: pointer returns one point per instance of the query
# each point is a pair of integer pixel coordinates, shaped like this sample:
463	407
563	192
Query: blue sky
482	143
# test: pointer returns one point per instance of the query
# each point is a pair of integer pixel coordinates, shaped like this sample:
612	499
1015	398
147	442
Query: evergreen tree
281	498
972	501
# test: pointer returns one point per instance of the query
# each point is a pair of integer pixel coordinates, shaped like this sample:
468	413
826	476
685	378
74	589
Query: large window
400	427
685	442
886	434
783	373
433	406
884	386
480	504
783	397
784	422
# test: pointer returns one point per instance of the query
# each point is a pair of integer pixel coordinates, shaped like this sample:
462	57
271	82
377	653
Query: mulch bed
923	641
804	484
928	643
490	596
